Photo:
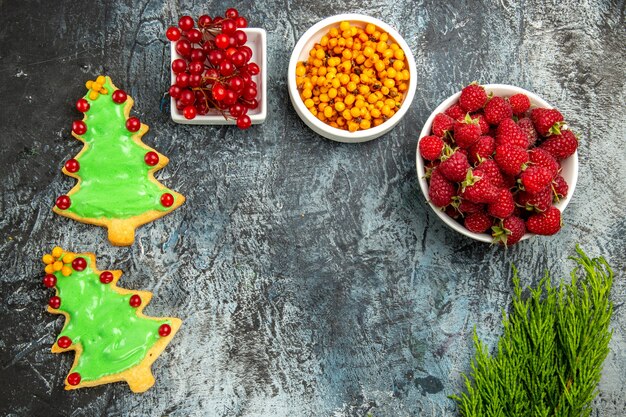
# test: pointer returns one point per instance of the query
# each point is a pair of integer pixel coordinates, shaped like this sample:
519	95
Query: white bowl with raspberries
497	163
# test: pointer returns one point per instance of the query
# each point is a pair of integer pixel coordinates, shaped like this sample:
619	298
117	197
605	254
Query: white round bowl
569	166
301	53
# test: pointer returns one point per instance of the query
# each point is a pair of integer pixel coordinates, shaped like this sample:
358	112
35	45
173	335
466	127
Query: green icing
113	338
113	172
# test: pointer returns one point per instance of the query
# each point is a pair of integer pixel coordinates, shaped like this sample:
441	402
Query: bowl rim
536	101
322	128
217	119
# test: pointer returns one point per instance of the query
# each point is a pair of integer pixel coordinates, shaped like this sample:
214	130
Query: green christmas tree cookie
104	324
115	170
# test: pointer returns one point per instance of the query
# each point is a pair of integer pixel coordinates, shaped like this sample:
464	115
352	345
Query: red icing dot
73	378
119	96
151	158
133	124
135	301
167	200
63	202
79	264
79	127
49	280
72	165
64	342
106	277
82	105
165	330
55	302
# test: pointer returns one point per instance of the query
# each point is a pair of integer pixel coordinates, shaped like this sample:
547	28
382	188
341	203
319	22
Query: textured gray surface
311	276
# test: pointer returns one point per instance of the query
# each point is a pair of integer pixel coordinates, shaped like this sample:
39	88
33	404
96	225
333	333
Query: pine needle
549	360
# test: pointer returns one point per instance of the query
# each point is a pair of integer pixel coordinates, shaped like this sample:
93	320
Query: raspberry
496	110
509	232
440	190
484	126
546	223
430	147
454	168
547	121
482	149
520	103
455	111
442	123
478	189
478	222
503	207
508	132
560	187
467	207
466	133
473	97
529	129
492	172
561	146
511	159
536	178
541	157
540	201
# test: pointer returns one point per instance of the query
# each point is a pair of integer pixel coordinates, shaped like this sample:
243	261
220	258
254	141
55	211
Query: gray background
311	276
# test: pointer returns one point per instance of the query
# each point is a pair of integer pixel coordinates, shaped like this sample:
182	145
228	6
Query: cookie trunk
121	233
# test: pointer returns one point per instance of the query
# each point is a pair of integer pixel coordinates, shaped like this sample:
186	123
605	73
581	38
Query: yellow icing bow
58	261
96	87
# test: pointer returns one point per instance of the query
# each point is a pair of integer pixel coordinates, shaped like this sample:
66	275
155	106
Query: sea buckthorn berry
66	271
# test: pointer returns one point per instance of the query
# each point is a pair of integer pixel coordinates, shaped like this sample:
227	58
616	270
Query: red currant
180	106
217	20
240	37
195	80
196	67
133	124
79	127
208	46
229	26
63	202
167	200
226	68
49	280
216	56
172	34
183	47
247	79
119	96
232	41
186	97
236	110
235	84
252	104
241	22
252	68
135	300
54	302
230	98
202	108
194	36
179	66
197	55
249	92
204	21
246	51
73	378
238	59
64	342
106	277
82	105
211	74
72	165
190	112
218	92
221	41
164	330
151	158
231	13
175	92
79	264
185	23
182	80
244	122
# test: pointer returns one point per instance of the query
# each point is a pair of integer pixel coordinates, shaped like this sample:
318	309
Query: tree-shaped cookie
115	170
104	324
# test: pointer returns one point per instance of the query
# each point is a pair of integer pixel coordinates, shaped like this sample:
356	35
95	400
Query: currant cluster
215	71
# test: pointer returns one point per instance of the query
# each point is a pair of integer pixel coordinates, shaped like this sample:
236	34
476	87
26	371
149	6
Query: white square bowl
257	41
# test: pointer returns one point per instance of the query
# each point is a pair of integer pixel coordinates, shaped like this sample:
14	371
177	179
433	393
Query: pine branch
549	359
